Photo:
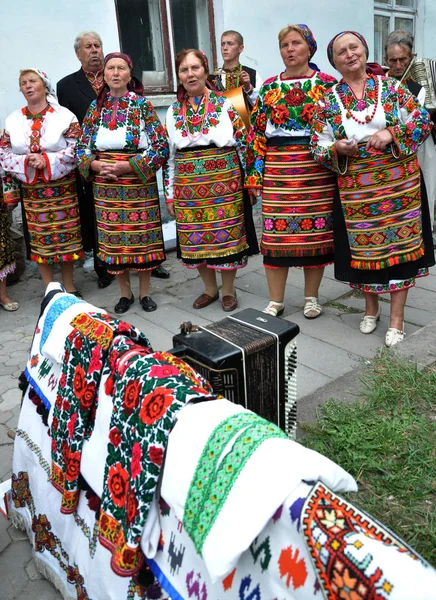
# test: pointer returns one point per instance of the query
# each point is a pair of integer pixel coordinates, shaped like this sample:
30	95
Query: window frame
393	10
168	46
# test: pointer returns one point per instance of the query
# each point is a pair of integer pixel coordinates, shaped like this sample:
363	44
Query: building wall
260	26
41	35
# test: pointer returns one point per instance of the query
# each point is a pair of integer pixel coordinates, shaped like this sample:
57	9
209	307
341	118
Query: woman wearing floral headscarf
37	148
367	129
297	194
122	147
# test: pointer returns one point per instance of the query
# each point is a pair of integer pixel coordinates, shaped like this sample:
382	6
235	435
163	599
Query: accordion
423	71
249	358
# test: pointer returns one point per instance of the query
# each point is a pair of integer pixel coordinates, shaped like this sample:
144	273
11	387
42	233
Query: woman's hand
36	161
112	170
254	194
95	166
380	140
170	208
346	147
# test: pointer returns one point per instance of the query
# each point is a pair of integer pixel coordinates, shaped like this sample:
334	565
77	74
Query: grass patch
387	441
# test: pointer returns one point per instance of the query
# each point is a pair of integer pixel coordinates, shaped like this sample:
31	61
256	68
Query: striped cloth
296	203
381	202
52	215
208	203
129	227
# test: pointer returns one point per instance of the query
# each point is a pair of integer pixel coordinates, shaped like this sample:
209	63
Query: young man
233	74
76	92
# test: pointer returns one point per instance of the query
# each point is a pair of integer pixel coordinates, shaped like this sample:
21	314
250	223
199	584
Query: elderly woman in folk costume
37	148
297	193
367	129
203	182
122	147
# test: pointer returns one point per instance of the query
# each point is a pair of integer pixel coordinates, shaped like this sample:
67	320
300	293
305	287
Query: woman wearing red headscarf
122	146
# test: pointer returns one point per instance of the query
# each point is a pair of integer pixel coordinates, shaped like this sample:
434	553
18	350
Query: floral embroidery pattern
77	397
408	122
147	391
286	105
135	116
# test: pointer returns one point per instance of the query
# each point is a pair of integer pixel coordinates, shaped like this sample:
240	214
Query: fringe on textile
221	254
57	259
284	252
130	260
47	572
20	522
377	265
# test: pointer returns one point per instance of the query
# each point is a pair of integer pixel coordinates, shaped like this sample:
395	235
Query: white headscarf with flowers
52	98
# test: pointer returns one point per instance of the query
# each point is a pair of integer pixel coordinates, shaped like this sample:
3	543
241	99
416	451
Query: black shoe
123	304
77	294
160	272
148	304
105	280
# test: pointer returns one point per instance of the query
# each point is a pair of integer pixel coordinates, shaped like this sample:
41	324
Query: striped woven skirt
381	202
128	220
391	192
53	224
209	208
297	201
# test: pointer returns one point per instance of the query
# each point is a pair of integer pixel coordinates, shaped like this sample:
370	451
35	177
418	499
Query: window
390	15
152	32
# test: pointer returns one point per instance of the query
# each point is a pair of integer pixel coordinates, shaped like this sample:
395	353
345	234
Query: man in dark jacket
76	92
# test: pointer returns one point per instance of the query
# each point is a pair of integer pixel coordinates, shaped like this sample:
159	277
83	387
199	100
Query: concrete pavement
331	355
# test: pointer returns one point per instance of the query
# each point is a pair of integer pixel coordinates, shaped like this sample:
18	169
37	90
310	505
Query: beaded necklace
361	103
194	124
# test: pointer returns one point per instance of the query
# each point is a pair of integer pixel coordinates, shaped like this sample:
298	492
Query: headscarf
52	98
134	84
338	35
308	36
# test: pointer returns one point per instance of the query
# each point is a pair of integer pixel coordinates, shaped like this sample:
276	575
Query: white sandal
369	322
275	309
312	305
393	336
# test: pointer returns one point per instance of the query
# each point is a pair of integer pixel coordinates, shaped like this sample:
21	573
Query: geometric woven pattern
208	203
381	203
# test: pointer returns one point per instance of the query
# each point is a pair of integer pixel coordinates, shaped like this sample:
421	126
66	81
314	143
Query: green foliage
387	441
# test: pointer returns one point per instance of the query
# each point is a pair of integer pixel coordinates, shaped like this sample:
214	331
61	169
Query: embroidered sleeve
11	162
414	124
62	162
153	158
256	144
169	166
11	189
239	134
322	140
255	91
85	145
